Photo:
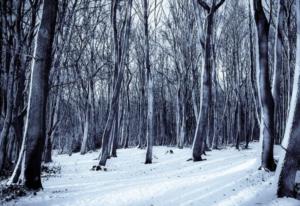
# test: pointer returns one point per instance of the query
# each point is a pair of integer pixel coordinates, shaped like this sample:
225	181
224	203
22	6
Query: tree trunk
86	131
278	60
183	121
115	137
179	144
34	134
206	82
126	127
142	109
289	164
150	114
239	125
266	98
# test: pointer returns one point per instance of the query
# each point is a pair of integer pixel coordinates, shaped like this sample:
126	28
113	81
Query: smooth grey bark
180	112
150	98
142	108
183	122
289	163
179	143
88	118
195	105
252	68
142	115
127	111
115	136
162	116
289	5
264	87
206	83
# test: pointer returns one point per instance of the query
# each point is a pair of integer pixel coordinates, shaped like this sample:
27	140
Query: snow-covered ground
227	178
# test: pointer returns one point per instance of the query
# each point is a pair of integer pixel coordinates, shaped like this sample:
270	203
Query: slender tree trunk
142	108
278	60
179	144
239	125
183	122
206	83
118	64
252	71
126	128
150	113
195	106
116	135
87	124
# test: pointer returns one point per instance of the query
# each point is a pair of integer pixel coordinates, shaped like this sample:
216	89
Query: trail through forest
85	78
228	177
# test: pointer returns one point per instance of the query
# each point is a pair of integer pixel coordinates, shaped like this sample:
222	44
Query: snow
227	178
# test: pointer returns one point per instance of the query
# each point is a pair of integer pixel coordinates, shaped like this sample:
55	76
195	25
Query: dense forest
110	76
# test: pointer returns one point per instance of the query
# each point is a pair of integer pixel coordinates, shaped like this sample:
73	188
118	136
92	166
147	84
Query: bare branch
219	5
204	5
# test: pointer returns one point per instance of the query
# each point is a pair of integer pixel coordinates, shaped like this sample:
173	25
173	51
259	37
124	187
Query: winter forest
150	102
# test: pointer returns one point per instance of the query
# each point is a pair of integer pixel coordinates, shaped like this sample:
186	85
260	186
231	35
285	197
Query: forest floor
227	178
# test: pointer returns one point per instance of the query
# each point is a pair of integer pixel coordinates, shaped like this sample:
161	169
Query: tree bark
150	98
87	122
264	86
34	135
206	83
278	60
289	163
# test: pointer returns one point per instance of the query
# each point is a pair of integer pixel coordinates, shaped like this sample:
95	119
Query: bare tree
206	81
150	98
121	46
264	87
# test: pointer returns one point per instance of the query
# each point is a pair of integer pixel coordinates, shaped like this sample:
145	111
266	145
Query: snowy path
227	178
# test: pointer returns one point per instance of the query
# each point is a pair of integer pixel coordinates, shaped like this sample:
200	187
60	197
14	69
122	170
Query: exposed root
98	168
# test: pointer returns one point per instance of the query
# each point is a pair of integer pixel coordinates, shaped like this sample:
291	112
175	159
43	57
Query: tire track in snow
130	182
95	183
